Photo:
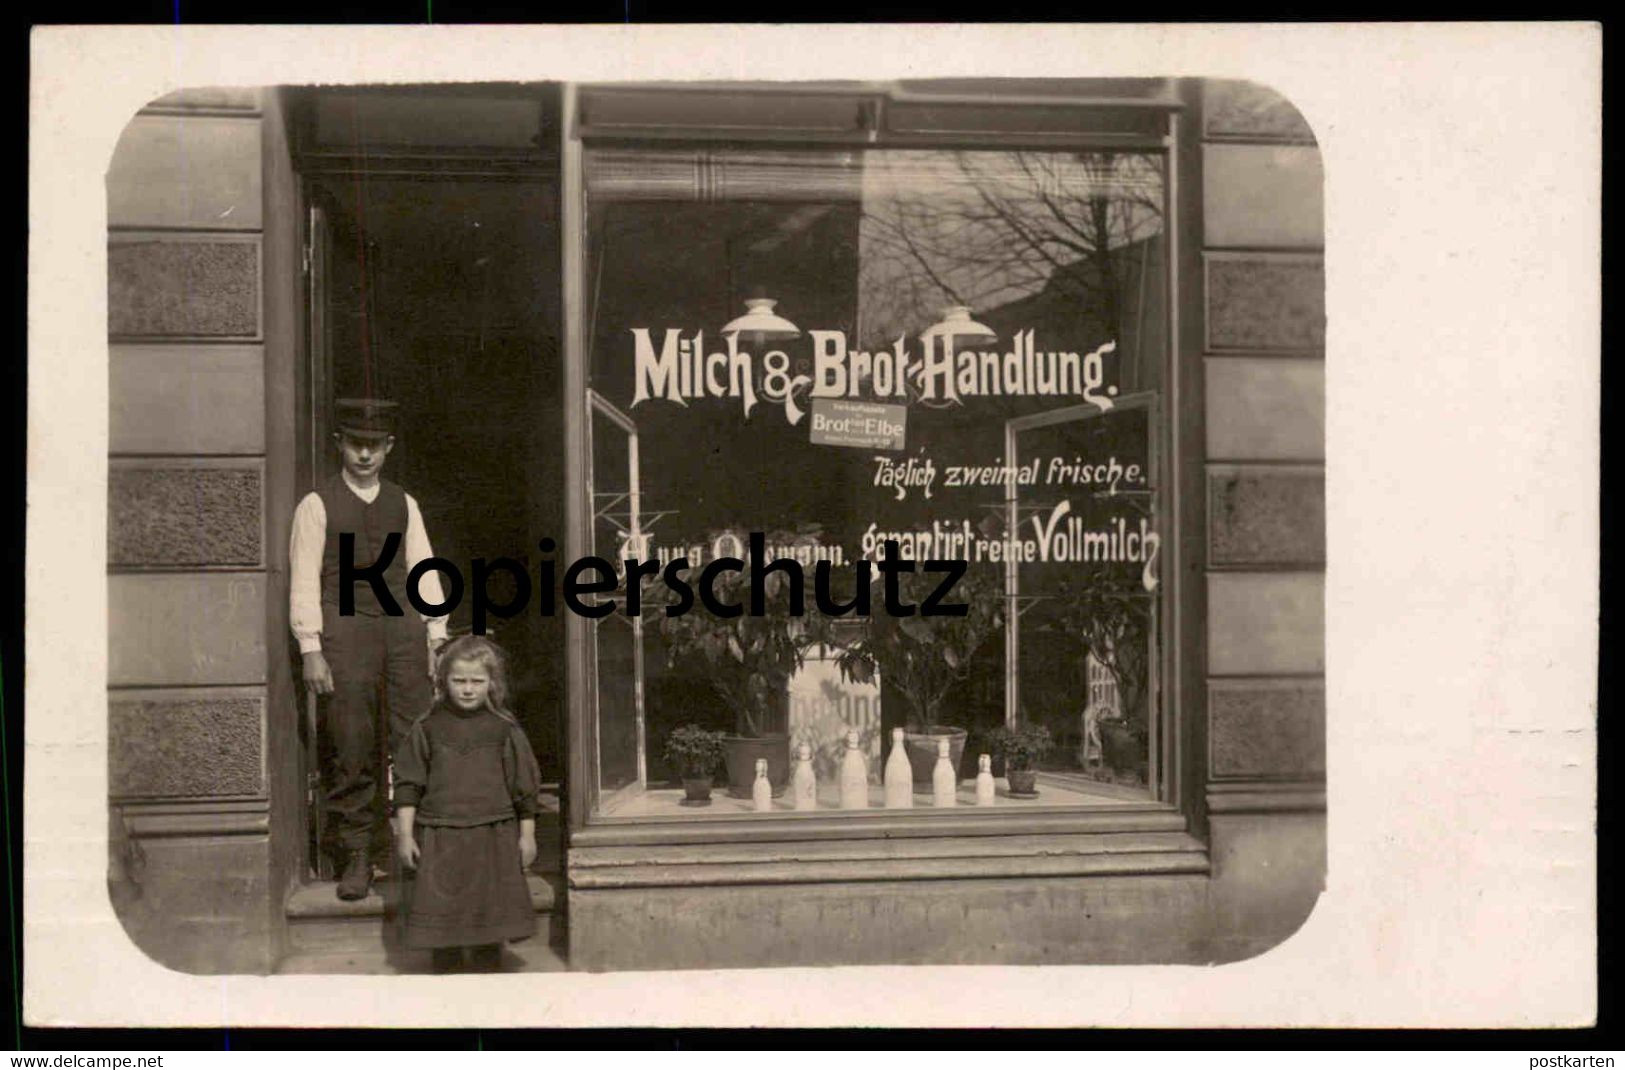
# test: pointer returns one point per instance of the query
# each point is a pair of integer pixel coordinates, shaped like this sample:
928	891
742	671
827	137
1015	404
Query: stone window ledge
1067	845
1266	797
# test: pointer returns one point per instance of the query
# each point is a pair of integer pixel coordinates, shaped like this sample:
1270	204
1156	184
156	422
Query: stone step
318	901
361	948
331	935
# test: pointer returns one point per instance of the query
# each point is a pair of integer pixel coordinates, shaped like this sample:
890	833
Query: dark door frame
420	161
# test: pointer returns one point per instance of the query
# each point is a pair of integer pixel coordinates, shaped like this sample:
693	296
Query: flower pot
1023	782
922	751
696	791
741	754
1122	748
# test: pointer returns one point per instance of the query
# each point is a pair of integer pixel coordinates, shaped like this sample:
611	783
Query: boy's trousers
380	686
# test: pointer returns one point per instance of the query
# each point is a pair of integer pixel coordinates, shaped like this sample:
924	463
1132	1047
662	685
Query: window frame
683	120
1151	402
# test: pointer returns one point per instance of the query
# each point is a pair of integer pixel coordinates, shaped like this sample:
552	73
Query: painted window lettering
607	577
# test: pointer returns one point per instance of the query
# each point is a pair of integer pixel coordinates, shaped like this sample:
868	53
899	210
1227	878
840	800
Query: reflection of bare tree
991	229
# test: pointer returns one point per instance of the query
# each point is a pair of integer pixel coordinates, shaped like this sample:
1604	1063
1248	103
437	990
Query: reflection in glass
1086	636
1057	252
1061	243
617	638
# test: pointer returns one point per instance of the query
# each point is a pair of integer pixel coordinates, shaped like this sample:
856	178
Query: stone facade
1267	728
1265	301
196	288
172	513
1251	112
1267	516
188	659
1265	333
169	745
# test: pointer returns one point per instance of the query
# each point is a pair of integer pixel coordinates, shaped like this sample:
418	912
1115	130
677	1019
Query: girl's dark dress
472	777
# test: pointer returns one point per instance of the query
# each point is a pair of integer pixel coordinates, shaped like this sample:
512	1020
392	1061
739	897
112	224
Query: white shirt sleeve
418	549
305	548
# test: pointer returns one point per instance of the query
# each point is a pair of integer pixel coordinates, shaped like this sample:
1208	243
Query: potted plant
1021	748
695	753
924	657
1109	613
747	661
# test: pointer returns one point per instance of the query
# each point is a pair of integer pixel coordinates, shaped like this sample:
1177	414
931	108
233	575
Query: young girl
465	794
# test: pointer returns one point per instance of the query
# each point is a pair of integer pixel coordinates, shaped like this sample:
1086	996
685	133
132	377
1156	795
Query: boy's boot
445	959
357	878
486	958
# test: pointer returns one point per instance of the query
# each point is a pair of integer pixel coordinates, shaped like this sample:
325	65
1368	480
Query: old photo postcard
891	525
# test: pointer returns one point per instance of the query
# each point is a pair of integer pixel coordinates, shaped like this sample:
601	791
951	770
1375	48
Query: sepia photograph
1066	333
618	526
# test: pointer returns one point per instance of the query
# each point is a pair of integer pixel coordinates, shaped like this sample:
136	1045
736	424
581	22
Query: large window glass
964	352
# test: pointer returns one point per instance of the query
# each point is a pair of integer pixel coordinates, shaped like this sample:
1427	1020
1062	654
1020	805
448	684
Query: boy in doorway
375	669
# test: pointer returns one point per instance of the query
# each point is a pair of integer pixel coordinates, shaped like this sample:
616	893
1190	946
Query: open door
620	759
1083	623
473	367
318	375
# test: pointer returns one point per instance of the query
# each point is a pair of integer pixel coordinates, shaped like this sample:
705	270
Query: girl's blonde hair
482	651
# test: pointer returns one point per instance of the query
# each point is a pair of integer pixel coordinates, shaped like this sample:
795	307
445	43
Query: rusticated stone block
1247	109
1264	516
167	745
1267	728
1266	302
169	514
158	288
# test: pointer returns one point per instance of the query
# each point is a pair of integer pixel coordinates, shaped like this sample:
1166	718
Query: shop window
999	319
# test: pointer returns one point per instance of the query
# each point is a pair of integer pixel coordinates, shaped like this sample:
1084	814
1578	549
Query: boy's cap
367	417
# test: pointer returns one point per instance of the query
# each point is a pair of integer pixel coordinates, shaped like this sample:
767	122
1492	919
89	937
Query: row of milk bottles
854	775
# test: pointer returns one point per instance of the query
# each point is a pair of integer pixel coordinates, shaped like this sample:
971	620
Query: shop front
1056	344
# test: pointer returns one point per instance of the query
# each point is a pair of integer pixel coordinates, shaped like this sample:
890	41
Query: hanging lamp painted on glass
760	323
955	326
956	322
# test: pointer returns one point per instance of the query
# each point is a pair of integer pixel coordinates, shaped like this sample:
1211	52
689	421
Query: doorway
433	282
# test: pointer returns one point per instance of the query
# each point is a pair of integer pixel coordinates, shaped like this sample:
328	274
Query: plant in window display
925	657
1021	748
695	752
1109	614
747	660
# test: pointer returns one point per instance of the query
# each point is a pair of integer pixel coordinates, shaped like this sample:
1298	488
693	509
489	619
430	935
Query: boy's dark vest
370	522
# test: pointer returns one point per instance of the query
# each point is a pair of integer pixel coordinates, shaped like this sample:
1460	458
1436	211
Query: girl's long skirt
469	888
